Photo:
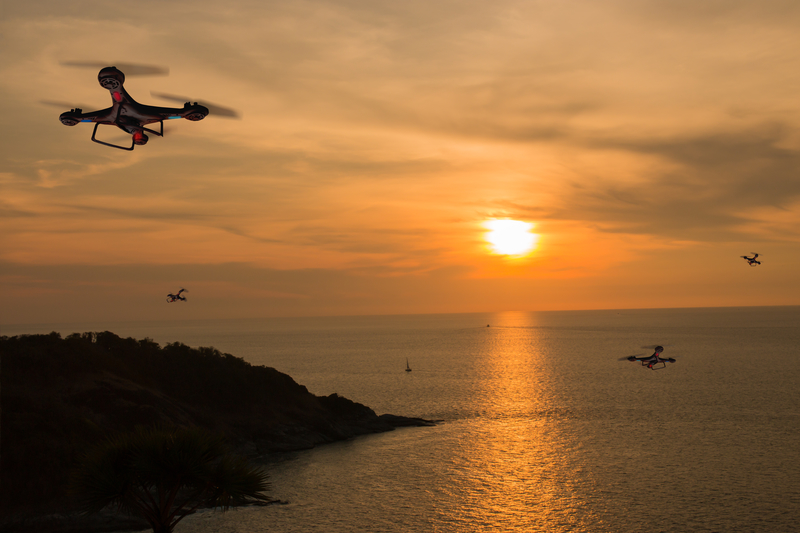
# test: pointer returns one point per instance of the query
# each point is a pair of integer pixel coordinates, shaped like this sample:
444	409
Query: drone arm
92	116
75	116
154	132
189	111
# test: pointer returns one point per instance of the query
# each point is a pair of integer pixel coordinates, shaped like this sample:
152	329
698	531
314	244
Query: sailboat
408	368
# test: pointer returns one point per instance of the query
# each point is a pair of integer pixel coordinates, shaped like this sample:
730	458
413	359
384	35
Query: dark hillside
61	395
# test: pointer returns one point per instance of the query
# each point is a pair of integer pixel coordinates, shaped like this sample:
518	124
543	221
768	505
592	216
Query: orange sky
650	143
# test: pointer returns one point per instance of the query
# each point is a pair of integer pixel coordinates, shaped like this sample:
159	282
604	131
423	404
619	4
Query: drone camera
140	138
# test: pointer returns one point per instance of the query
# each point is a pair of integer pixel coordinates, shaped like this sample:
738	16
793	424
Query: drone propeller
62	105
130	69
628	358
654	346
213	110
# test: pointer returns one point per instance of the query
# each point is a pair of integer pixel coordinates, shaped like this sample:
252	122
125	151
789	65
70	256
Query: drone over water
751	260
176	297
129	115
651	361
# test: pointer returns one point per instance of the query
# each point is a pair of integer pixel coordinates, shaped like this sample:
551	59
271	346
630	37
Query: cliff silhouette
60	396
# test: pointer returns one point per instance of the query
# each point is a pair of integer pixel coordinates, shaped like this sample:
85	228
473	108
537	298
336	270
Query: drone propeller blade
213	109
627	358
62	105
654	346
219	111
129	69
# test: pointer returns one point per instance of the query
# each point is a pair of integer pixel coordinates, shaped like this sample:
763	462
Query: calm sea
544	428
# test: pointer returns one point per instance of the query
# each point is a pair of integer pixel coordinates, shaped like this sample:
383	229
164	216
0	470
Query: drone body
650	361
176	297
129	115
751	260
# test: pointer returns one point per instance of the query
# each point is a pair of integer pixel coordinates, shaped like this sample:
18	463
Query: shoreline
61	396
108	521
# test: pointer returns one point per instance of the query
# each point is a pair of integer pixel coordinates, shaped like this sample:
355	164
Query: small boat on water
408	368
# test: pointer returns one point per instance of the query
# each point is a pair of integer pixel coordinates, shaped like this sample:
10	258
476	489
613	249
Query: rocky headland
60	396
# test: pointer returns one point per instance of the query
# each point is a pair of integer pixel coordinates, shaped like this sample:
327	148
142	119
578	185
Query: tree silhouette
165	474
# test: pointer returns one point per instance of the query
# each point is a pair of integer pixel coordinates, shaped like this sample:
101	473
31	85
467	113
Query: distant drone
650	361
176	297
751	260
129	115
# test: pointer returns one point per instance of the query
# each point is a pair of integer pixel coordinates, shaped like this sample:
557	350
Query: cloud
377	136
714	181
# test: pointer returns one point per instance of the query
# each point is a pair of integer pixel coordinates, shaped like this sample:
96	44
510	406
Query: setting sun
510	237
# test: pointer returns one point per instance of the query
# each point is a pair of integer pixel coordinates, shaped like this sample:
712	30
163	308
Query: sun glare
510	237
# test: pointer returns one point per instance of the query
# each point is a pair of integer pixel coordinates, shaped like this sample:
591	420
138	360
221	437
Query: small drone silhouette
751	260
176	297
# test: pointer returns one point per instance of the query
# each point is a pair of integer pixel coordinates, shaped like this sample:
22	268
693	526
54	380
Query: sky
649	145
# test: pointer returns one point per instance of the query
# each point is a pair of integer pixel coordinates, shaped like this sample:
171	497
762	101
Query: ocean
543	427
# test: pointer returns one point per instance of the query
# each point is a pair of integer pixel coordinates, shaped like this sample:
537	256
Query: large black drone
129	115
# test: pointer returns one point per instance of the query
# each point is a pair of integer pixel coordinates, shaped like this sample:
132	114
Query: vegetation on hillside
163	475
62	396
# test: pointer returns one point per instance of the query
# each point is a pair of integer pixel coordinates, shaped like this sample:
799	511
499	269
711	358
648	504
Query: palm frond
164	474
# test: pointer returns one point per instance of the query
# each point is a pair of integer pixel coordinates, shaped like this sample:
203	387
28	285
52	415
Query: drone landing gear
133	138
154	132
663	363
109	144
